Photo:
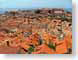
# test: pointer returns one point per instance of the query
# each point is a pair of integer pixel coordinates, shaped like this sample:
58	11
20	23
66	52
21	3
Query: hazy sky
35	3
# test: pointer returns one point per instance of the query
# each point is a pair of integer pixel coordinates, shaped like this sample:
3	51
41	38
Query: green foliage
30	50
52	46
40	41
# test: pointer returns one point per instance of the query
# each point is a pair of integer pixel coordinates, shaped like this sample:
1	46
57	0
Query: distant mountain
2	11
68	9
